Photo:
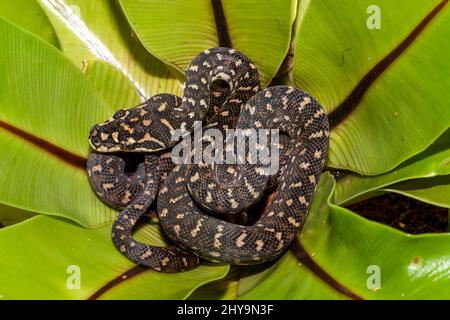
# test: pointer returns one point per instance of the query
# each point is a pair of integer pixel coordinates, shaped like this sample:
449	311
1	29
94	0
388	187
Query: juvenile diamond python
190	195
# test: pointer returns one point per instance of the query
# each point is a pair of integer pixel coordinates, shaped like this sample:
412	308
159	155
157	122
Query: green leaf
238	281
432	162
43	260
11	215
292	281
386	89
28	15
90	30
111	84
47	108
337	250
431	190
176	31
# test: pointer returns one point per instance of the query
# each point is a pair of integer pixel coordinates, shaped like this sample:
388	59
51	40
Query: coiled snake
190	189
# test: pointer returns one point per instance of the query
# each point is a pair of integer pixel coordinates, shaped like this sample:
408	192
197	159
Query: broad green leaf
223	289
432	162
111	84
405	108
11	215
28	15
46	109
431	190
41	258
90	30
291	280
238	281
338	252
176	31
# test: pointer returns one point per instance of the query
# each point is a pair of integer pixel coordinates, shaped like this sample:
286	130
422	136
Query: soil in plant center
403	213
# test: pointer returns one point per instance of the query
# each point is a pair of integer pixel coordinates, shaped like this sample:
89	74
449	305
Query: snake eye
95	141
120	114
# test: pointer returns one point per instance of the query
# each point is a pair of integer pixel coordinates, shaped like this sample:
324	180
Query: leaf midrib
61	154
302	255
221	24
351	102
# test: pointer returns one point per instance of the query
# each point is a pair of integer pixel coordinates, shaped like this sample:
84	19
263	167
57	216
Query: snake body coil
300	116
189	189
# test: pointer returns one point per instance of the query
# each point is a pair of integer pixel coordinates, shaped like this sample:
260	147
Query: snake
148	129
185	192
284	108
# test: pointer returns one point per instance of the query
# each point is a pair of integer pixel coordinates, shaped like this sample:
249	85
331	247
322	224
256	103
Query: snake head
112	135
139	129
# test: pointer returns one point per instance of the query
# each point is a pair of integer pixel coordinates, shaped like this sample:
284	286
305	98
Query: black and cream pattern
184	191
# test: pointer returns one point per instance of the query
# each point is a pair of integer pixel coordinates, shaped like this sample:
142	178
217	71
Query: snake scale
222	90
